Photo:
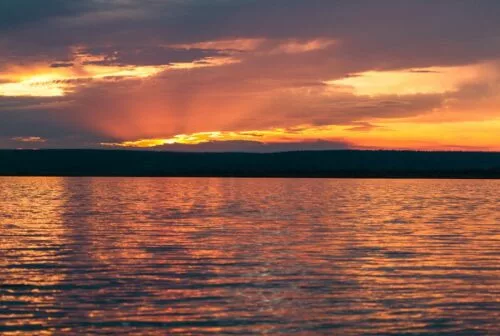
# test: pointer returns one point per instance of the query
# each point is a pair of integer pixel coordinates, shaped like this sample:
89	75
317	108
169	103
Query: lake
209	256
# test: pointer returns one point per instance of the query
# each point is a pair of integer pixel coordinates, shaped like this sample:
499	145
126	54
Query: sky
250	75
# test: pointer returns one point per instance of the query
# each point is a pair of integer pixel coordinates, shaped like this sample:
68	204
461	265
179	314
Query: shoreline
341	164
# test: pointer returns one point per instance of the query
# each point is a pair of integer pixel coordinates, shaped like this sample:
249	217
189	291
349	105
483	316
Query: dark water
132	256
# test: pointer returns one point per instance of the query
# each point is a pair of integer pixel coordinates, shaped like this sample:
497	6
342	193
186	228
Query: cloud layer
387	73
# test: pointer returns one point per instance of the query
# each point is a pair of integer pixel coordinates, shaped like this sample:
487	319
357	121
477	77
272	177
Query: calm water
249	256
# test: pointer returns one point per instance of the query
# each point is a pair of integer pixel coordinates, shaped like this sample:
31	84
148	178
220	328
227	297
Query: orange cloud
223	45
32	139
55	82
274	135
430	80
301	46
261	45
392	135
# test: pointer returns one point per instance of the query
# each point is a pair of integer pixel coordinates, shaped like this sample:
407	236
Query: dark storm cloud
457	31
15	13
384	33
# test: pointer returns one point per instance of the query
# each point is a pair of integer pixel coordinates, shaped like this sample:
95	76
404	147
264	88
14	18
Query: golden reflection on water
249	256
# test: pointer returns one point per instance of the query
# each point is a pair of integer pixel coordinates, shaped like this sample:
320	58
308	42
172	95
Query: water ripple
151	256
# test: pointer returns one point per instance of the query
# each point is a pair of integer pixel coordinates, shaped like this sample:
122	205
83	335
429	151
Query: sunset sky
250	75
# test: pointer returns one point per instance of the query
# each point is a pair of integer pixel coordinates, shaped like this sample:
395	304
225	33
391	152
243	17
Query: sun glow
47	82
433	80
194	139
44	85
388	135
270	135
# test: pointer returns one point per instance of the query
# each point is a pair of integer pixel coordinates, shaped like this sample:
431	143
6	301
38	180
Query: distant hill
340	163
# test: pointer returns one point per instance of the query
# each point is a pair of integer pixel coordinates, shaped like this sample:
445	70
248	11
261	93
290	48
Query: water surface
144	256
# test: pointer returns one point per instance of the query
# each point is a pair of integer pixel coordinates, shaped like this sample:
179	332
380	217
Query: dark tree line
343	163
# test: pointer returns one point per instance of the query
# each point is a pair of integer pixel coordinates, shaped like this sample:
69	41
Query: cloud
21	12
363	127
62	65
256	146
31	139
117	70
390	33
